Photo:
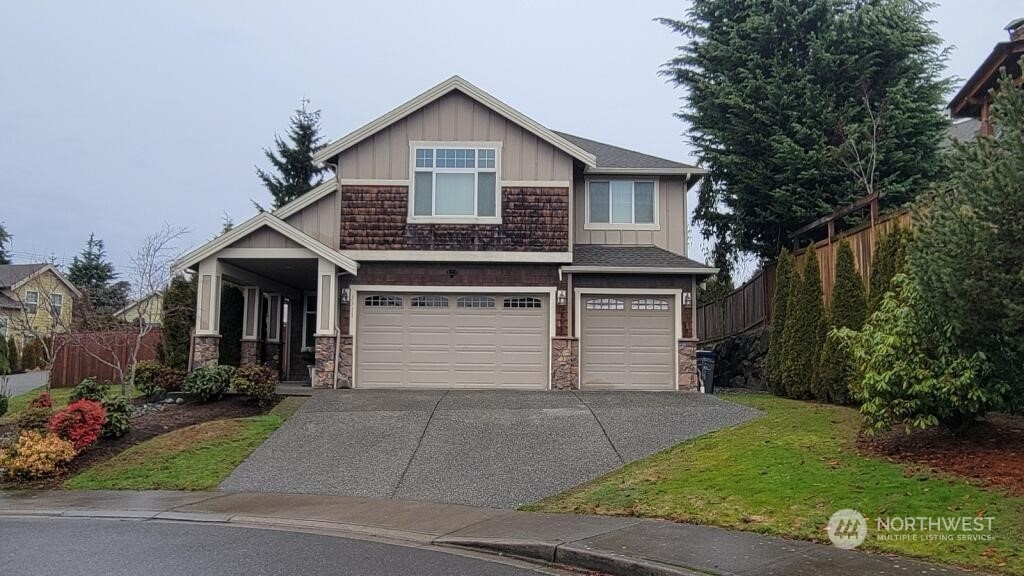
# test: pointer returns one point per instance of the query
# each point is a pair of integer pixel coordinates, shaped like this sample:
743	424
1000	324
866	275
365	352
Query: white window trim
55	309
35	305
588	225
414	219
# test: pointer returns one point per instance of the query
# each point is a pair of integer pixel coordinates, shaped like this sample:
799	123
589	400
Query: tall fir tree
780	312
296	173
804	333
849	309
92	273
5	240
781	95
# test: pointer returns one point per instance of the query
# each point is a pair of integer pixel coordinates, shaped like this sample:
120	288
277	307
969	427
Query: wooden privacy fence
90	355
750	305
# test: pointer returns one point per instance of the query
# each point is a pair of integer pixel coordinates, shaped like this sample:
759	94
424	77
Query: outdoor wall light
346	294
560	297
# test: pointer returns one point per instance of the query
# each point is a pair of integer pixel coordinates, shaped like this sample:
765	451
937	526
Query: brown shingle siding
533	220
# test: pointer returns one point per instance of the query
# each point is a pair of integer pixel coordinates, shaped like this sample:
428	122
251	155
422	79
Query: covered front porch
290	302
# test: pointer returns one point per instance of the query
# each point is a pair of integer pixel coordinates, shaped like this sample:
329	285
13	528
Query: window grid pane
475	302
424	158
383	301
429	302
650	304
522	303
605	304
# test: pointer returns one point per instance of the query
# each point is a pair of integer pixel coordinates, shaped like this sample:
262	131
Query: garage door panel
631	346
452	346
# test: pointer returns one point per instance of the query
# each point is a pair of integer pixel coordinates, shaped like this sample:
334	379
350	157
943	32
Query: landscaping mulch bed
992	452
143	427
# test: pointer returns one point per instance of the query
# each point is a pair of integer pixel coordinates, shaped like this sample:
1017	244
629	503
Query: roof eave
702	271
680	171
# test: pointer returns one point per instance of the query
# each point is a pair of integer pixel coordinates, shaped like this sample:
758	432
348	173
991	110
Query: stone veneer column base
323	376
565	363
689	378
345	362
272	355
250	353
205	351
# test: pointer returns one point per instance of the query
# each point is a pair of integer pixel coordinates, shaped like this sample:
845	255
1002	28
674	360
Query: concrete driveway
484	448
18	383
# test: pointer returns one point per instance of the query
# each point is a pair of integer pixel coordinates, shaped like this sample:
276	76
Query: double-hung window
56	303
622	204
31	301
455	183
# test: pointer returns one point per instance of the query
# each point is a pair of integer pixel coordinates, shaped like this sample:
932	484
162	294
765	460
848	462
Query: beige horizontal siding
455	118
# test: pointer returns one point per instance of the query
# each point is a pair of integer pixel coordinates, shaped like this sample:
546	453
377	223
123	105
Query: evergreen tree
13	356
5	363
94	275
787	372
5	240
804	333
837	372
784	96
889	260
780	302
293	160
179	310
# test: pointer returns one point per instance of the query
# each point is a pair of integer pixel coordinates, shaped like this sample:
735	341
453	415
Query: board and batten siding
319	220
265	238
455	118
671	234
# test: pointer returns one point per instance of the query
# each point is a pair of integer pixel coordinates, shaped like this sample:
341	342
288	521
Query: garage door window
650	304
475	302
383	301
429	302
522	302
605	304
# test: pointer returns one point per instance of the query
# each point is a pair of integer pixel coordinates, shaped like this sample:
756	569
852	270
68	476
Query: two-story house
36	300
461	244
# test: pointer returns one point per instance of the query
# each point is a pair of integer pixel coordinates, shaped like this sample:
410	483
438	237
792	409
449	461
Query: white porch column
206	345
326	321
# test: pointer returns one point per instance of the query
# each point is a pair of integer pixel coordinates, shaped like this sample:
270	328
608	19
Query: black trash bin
706	369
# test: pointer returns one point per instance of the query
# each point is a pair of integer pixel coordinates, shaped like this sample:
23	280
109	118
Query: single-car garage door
452	340
627	342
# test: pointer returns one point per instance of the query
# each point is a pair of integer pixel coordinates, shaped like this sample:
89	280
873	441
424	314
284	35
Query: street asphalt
18	383
484	448
104	547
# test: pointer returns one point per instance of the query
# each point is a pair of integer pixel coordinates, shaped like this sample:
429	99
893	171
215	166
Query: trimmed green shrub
780	302
13	355
208	383
804	333
146	374
119	414
256	383
88	389
889	260
837	371
911	375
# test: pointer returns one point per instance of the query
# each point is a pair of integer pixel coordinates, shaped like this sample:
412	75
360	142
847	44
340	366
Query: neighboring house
35	300
150	308
974	98
461	244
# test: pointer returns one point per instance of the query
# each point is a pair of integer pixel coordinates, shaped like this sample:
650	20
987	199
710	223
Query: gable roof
455	83
138	302
14	275
967	101
615	158
645	259
268	220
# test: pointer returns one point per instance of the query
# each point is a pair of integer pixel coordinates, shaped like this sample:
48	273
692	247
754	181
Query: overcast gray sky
116	117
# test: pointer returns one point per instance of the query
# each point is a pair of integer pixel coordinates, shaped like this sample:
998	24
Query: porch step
294	388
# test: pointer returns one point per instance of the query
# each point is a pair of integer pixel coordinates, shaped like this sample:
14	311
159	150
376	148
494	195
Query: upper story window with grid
475	302
455	184
56	303
429	302
522	302
622	204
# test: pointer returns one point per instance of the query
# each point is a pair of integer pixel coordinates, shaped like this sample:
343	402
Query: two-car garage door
451	340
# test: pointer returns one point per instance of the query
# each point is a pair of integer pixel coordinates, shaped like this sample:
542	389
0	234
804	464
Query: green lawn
786	473
195	458
19	402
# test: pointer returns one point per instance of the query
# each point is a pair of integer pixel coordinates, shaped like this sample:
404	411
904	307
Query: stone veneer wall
689	378
565	363
345	362
250	353
206	351
324	374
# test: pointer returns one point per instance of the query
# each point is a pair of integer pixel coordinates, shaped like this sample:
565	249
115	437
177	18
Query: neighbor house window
56	303
31	302
455	182
625	202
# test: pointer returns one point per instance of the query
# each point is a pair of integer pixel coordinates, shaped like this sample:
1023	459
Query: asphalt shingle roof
609	156
11	274
603	255
8	302
963	131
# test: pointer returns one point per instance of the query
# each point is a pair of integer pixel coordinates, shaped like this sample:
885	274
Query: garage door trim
578	293
357	288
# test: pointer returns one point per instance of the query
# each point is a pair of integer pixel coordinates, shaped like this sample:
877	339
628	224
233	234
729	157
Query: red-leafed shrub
80	423
41	401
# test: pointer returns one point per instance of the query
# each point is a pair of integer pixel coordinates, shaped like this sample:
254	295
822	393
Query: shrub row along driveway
484	448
